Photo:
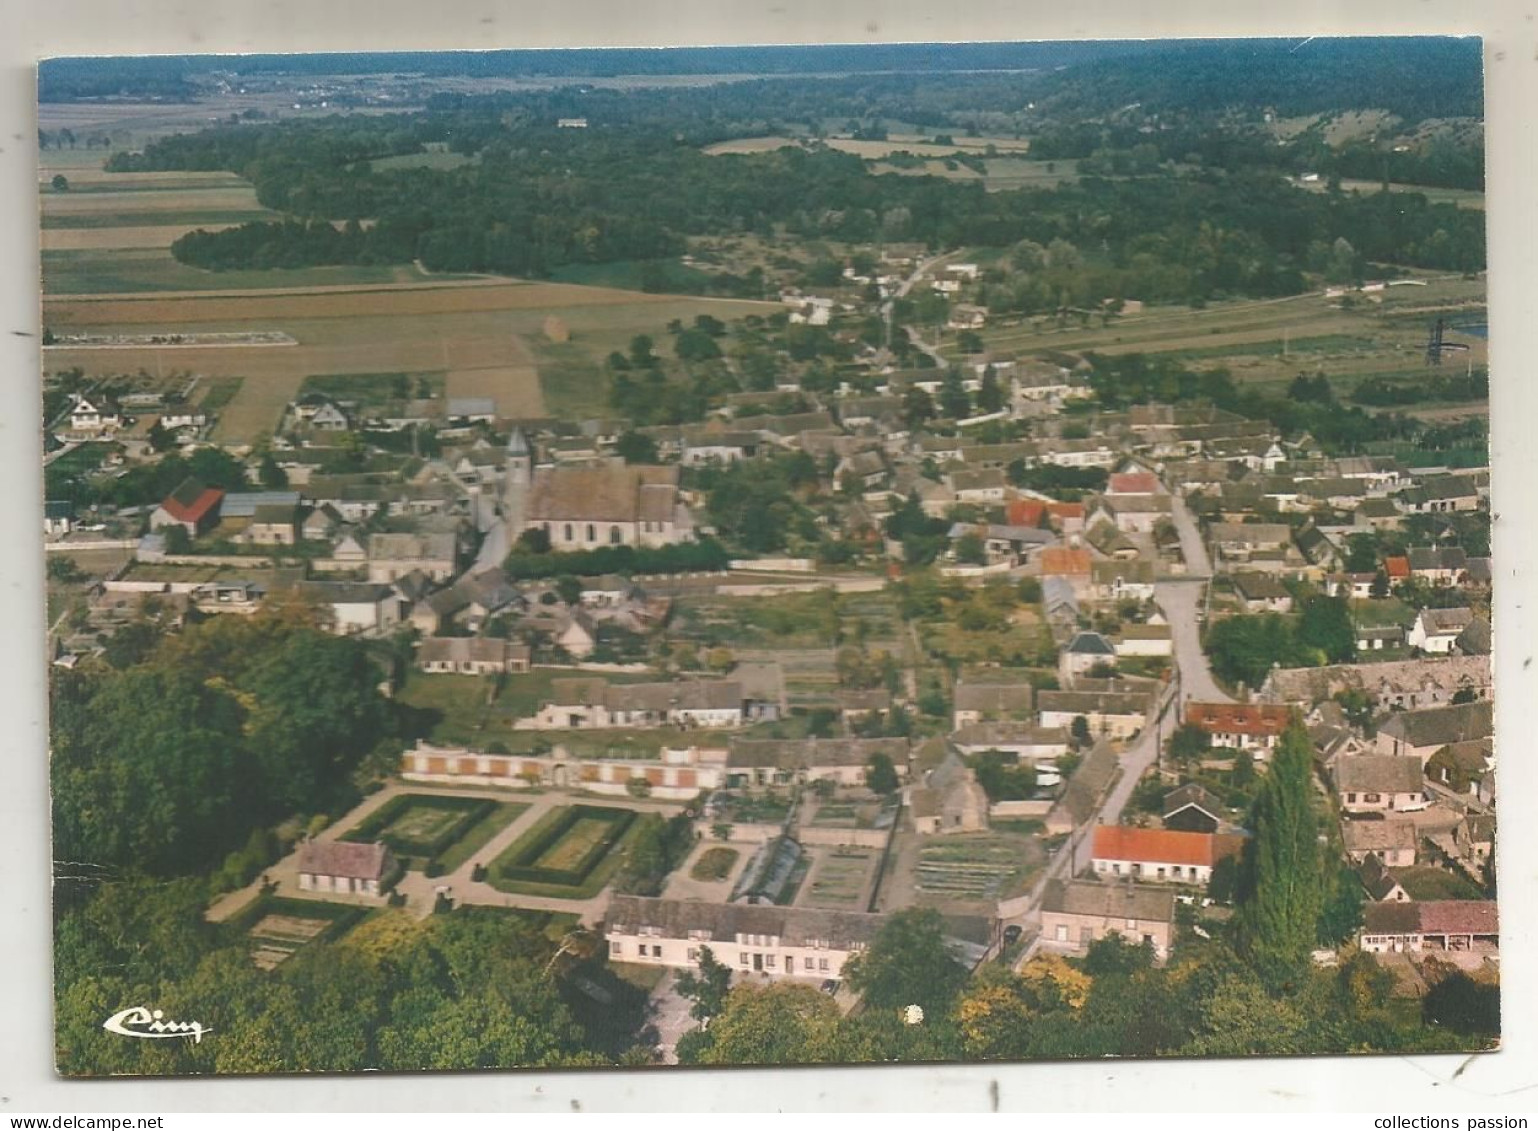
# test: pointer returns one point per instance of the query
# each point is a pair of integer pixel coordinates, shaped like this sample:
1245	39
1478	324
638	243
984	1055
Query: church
586	506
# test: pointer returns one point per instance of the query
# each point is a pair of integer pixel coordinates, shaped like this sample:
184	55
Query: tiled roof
1109	901
1378	773
1162	846
676	918
1260	719
342	858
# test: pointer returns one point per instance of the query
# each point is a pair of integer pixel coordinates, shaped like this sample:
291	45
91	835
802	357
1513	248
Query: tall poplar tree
1282	881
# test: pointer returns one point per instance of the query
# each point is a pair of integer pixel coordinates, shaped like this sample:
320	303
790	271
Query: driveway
670	1016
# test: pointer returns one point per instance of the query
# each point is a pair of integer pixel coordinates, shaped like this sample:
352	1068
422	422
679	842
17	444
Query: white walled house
345	868
750	939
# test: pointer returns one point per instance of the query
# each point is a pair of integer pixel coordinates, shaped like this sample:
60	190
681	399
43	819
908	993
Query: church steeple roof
518	443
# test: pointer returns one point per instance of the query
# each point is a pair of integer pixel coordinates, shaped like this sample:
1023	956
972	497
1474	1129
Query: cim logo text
140	1021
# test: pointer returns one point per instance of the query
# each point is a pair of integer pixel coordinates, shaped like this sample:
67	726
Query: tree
569	589
917	406
880	774
641	355
1189	743
1325	624
633	447
60	183
708	988
908	963
178	541
1079	730
1361	553
1380	586
954	401
64	569
780	1023
271	475
970	550
990	397
638	787
1281	886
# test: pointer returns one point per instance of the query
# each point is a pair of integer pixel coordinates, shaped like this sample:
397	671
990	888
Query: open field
130	271
126	236
221	197
1463	198
1275	339
471	331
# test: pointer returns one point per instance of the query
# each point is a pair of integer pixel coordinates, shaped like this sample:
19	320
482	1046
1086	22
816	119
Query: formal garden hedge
391	823
520	865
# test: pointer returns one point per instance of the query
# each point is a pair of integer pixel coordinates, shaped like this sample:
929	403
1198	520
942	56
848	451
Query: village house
357	608
1376	638
1440	494
582	508
320	413
192	506
271	524
1025	742
979	485
749	938
1134	640
1391	684
843	761
471	655
1193	809
1159	855
1462	925
712	446
1076	913
1439	565
1121	579
949	801
1463	767
395	555
586	704
1237	543
1394	840
94	416
1073	565
977	700
1254	727
58	517
343	868
679	774
1380	883
1377	514
1436	631
1083	654
1261	593
1375	783
1420	734
1109	714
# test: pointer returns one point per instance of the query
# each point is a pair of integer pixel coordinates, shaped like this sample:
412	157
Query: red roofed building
1072	565
1398	568
1160	855
1134	483
1255	727
1025	512
192	506
1067	517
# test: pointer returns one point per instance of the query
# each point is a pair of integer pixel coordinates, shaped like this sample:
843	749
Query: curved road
1181	598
